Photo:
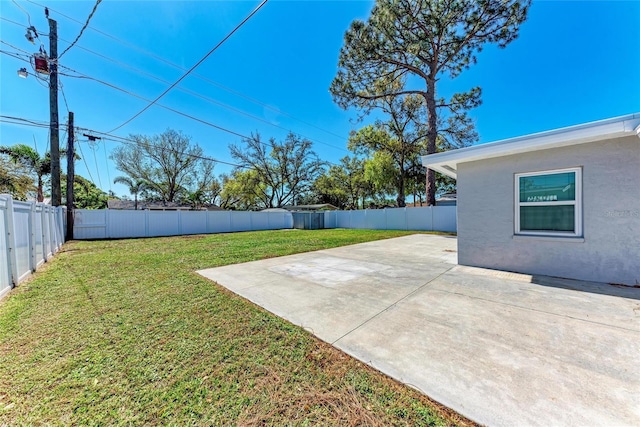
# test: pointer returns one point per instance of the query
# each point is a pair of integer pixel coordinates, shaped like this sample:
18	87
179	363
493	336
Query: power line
25	52
86	24
84	159
109	137
105	136
200	76
95	159
104	145
21	8
205	98
23	121
195	66
64	97
82	76
23	26
165	107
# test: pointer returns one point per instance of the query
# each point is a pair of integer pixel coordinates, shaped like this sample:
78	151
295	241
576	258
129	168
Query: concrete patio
503	349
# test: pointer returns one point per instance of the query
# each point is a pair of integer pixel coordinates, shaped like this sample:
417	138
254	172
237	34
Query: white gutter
447	162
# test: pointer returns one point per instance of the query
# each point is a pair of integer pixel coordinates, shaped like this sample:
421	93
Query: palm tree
30	159
136	186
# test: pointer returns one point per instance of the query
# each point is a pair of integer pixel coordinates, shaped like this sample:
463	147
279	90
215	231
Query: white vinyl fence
428	218
32	232
117	224
120	224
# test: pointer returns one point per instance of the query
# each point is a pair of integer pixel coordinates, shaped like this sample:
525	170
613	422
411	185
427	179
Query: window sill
563	239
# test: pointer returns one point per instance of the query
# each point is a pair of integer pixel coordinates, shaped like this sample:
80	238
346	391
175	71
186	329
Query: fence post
52	230
59	227
32	238
107	224
11	242
43	232
406	219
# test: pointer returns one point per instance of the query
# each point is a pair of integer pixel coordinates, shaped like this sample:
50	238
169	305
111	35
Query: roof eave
447	162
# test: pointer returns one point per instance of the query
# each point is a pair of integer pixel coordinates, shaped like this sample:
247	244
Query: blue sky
574	62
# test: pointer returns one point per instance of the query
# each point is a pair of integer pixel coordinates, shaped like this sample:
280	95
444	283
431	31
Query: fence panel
330	219
241	221
125	224
161	223
445	218
5	269
280	220
219	221
40	249
358	219
89	224
32	233
193	222
397	219
375	219
427	218
260	221
22	234
343	219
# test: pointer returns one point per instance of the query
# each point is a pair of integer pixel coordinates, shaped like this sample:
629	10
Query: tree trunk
401	199
40	194
432	135
135	201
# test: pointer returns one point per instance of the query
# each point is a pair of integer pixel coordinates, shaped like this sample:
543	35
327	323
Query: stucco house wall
609	250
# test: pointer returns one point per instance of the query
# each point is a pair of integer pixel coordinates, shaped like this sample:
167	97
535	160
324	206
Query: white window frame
577	203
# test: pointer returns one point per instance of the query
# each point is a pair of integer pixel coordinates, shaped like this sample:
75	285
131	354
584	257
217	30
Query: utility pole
71	175
56	196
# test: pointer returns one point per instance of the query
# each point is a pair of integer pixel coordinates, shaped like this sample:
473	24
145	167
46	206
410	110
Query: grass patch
124	332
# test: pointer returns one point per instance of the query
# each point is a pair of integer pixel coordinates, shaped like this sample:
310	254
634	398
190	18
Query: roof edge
446	162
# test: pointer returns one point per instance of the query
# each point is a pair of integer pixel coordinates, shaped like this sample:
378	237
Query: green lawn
124	332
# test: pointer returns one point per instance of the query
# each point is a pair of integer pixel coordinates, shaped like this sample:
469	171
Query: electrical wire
165	107
237	27
84	159
95	159
21	8
86	24
11	122
16	48
199	76
104	145
82	76
115	138
205	98
39	33
28	59
109	137
26	122
63	95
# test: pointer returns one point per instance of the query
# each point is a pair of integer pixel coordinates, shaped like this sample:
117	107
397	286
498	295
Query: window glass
547	218
548	188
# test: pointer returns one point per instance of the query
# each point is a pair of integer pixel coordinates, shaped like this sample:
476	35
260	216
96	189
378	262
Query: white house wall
610	250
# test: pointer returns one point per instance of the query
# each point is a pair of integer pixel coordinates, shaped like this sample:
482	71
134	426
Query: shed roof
447	162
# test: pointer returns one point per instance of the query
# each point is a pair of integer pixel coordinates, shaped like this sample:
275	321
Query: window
549	203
